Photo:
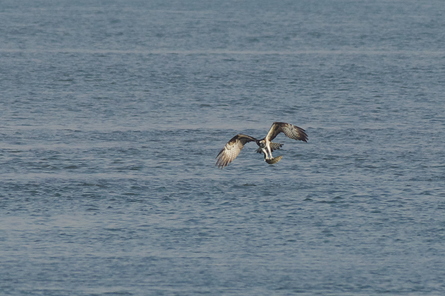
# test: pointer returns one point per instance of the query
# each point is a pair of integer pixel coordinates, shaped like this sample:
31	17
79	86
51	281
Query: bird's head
261	143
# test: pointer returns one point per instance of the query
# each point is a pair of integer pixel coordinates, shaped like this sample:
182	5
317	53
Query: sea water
112	114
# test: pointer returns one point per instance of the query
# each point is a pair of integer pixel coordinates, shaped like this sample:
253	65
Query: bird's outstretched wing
290	130
232	149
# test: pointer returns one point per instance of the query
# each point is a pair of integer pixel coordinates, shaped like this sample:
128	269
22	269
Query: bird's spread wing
232	149
290	130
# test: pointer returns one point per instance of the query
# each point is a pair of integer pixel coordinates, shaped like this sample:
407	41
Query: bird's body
233	148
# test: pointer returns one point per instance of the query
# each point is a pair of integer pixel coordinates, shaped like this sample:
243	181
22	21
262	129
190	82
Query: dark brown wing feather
290	130
232	149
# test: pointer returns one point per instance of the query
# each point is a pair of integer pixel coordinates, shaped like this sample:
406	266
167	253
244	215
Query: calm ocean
112	114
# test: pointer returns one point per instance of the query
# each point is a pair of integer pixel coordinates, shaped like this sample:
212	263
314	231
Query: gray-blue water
112	113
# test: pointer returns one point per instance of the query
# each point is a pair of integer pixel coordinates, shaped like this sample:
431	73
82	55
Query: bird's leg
265	154
270	152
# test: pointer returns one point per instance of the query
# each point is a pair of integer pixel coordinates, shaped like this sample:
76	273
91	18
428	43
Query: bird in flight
233	148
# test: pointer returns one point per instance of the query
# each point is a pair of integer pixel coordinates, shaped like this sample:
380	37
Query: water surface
112	114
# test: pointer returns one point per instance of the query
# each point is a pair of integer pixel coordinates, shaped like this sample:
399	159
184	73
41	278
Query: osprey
233	148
